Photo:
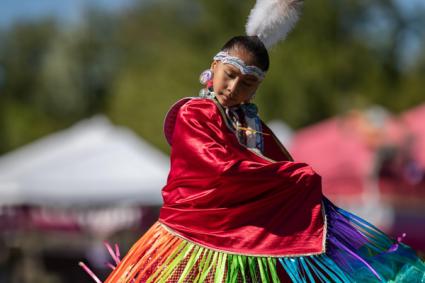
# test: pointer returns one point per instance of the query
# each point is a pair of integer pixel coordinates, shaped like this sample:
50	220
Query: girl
237	208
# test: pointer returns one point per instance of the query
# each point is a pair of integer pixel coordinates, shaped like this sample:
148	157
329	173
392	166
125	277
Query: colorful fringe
356	252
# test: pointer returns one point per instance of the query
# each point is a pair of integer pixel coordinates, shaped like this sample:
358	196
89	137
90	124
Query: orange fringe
146	256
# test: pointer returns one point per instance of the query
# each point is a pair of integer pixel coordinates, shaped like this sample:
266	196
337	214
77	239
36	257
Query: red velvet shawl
224	196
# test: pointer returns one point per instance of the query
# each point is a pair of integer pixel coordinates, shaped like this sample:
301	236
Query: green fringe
193	263
200	263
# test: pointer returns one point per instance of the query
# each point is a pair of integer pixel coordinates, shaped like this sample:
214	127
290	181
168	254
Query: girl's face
231	87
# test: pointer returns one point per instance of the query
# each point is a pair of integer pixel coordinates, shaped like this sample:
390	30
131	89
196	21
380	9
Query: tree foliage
133	65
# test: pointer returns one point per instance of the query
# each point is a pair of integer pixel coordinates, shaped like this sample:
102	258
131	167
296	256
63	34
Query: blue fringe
378	259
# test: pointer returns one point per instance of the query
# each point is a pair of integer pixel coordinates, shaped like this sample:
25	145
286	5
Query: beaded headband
226	58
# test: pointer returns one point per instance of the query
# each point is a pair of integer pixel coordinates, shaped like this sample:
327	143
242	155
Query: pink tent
348	152
336	154
415	122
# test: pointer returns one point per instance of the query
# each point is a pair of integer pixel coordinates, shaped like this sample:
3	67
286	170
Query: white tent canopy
91	163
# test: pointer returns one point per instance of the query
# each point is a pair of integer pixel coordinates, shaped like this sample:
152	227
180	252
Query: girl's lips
225	97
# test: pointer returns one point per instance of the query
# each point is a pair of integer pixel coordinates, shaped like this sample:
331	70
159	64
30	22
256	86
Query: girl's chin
226	101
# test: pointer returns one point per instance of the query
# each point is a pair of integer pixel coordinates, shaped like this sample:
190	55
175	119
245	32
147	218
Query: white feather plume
272	20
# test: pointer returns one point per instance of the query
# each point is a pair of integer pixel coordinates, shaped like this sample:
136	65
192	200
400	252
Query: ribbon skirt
356	251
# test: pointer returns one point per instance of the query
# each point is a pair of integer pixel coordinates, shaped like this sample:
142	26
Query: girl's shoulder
202	108
198	103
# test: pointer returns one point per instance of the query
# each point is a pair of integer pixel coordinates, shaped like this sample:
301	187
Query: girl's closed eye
230	75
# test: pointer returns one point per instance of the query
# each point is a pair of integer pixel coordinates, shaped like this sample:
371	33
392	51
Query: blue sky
12	11
411	5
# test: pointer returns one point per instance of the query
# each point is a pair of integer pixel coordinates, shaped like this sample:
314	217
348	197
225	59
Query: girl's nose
233	85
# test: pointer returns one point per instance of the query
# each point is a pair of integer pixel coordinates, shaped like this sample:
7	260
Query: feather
272	20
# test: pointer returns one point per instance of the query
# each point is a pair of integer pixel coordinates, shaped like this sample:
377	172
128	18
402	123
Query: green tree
134	65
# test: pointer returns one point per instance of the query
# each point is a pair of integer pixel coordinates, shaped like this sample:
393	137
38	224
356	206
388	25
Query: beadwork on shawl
245	121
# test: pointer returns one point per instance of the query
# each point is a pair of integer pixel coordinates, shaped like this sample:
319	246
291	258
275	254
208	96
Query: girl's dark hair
253	45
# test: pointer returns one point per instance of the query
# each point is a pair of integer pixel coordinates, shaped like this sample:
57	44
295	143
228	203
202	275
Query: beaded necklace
245	121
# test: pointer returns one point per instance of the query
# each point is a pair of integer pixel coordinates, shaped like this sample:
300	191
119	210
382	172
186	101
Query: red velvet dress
224	196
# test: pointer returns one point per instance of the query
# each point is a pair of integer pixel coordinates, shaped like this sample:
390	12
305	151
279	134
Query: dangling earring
206	80
205	77
252	96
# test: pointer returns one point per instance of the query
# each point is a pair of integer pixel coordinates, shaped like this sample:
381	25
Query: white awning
93	162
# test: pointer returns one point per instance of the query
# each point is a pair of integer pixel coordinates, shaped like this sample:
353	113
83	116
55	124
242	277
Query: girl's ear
213	65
